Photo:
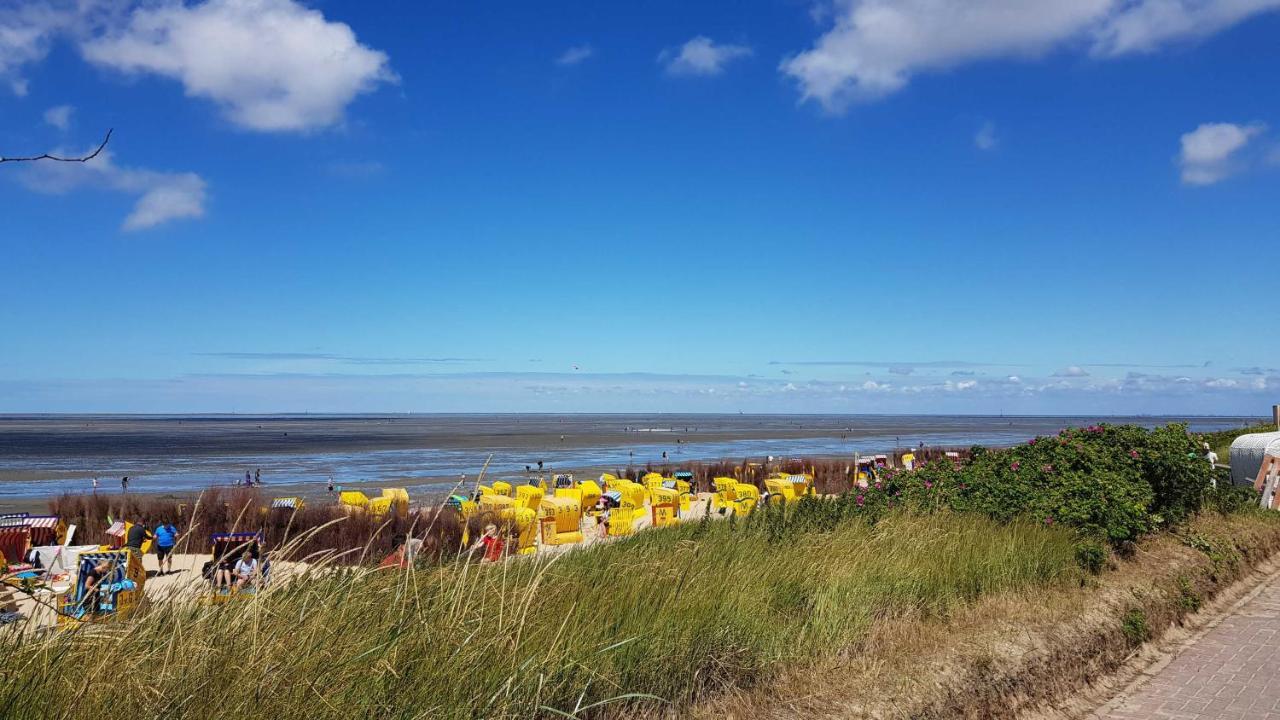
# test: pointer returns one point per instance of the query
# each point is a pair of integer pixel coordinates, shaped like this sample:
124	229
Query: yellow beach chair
561	520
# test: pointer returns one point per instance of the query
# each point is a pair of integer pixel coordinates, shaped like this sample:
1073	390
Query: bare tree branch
55	158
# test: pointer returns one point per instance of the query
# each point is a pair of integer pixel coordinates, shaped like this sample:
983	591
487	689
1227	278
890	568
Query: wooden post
1268	477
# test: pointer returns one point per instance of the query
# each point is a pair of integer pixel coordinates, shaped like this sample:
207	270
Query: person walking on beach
257	477
248	480
95	486
124	484
166	537
138	535
331	485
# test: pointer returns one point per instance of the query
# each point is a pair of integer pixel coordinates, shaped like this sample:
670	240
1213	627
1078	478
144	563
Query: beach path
1232	672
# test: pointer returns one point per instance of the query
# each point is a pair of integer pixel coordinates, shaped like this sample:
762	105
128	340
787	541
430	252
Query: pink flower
1015	466
1032	441
861	500
928	485
1133	454
1048	520
879	486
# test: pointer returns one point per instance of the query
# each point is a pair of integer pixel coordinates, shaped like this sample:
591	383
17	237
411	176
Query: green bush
1134	626
1188	599
1091	556
1113	483
1229	499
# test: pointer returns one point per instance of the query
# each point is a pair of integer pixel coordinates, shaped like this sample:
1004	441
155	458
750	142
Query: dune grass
648	624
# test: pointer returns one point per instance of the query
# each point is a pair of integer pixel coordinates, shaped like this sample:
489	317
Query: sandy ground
184	582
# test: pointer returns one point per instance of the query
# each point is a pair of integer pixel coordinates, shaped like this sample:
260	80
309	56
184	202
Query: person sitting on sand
246	571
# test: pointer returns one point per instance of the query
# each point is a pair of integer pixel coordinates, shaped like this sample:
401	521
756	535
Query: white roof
1247	452
1257	441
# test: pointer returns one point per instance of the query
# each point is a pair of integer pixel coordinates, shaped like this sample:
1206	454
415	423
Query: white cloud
701	56
1143	26
985	138
271	65
575	55
1072	371
59	117
27	30
877	46
1209	152
162	196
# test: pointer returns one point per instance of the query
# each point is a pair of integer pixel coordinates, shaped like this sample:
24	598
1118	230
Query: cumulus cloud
575	55
59	117
1210	152
876	46
1072	371
701	56
161	196
271	65
985	138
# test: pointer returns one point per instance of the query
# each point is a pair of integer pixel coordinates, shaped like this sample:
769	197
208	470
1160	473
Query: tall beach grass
648	624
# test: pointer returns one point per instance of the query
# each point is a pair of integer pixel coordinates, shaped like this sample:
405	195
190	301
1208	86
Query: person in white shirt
246	571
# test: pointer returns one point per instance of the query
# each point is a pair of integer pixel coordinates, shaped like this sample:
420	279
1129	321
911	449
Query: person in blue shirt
166	537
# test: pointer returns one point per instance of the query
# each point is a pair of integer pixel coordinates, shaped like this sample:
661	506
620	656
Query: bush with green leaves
1110	482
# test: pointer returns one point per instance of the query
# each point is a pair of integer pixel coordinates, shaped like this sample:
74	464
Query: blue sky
860	206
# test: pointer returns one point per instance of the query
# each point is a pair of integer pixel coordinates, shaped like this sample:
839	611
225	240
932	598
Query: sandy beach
183	584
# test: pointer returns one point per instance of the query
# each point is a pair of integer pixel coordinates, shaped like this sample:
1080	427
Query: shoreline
47	457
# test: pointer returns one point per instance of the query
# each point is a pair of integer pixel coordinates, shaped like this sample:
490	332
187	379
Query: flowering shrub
1110	482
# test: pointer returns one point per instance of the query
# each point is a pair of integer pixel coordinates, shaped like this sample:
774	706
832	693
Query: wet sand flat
42	456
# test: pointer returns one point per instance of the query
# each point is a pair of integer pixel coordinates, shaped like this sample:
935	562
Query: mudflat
45	455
